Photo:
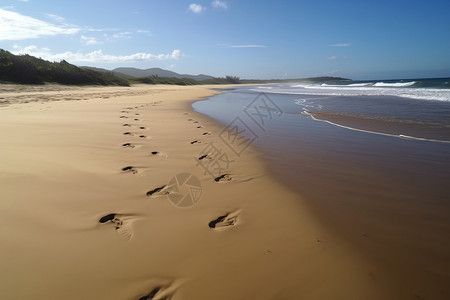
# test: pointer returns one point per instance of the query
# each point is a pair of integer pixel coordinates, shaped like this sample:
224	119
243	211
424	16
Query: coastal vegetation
26	69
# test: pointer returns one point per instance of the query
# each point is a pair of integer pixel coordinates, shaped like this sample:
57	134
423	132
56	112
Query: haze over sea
376	171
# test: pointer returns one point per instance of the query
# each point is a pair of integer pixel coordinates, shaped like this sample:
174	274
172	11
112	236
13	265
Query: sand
87	206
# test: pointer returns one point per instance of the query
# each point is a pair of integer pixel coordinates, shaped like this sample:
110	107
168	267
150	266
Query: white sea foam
397	84
359	90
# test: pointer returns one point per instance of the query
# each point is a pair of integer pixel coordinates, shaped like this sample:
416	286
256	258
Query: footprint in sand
142	136
129	169
123	117
142	127
223	177
128	145
160	293
159	154
159	191
128	133
206	133
226	220
195	142
120	224
128	125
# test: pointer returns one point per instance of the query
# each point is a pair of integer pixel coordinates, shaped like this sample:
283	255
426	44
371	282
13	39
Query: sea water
370	159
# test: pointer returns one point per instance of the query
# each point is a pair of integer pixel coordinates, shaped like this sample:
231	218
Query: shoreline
321	117
86	203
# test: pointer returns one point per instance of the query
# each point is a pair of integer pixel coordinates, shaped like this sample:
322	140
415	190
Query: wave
372	131
347	85
396	84
362	90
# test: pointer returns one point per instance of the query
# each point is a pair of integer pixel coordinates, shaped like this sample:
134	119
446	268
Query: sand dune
106	198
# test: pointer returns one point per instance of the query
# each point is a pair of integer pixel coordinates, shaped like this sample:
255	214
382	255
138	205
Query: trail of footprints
121	222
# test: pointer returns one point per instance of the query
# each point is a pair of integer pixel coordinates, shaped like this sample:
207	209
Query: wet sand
386	196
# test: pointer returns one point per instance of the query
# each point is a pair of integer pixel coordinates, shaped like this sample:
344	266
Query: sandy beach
88	210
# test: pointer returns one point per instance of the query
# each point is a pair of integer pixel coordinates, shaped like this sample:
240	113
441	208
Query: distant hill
27	69
101	70
133	72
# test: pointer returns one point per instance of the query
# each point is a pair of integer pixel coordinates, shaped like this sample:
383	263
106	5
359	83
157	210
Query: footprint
161	292
119	223
226	220
159	191
123	117
128	133
129	145
142	136
159	154
199	126
152	294
223	177
195	142
136	119
206	133
129	169
142	127
126	125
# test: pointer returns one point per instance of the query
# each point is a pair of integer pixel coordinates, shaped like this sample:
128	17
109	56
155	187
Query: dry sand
61	172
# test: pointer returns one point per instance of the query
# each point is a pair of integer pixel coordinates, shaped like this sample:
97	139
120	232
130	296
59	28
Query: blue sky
250	39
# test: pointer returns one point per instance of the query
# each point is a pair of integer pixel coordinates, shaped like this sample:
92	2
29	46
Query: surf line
401	136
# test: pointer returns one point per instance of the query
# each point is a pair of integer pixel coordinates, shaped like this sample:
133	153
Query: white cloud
176	54
196	8
247	46
332	57
219	4
341	45
89	40
56	18
146	32
94	56
15	26
122	35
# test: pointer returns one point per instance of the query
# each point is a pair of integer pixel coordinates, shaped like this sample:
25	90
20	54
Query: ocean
370	159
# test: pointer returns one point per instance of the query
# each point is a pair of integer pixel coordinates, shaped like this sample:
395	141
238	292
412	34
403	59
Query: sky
383	39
